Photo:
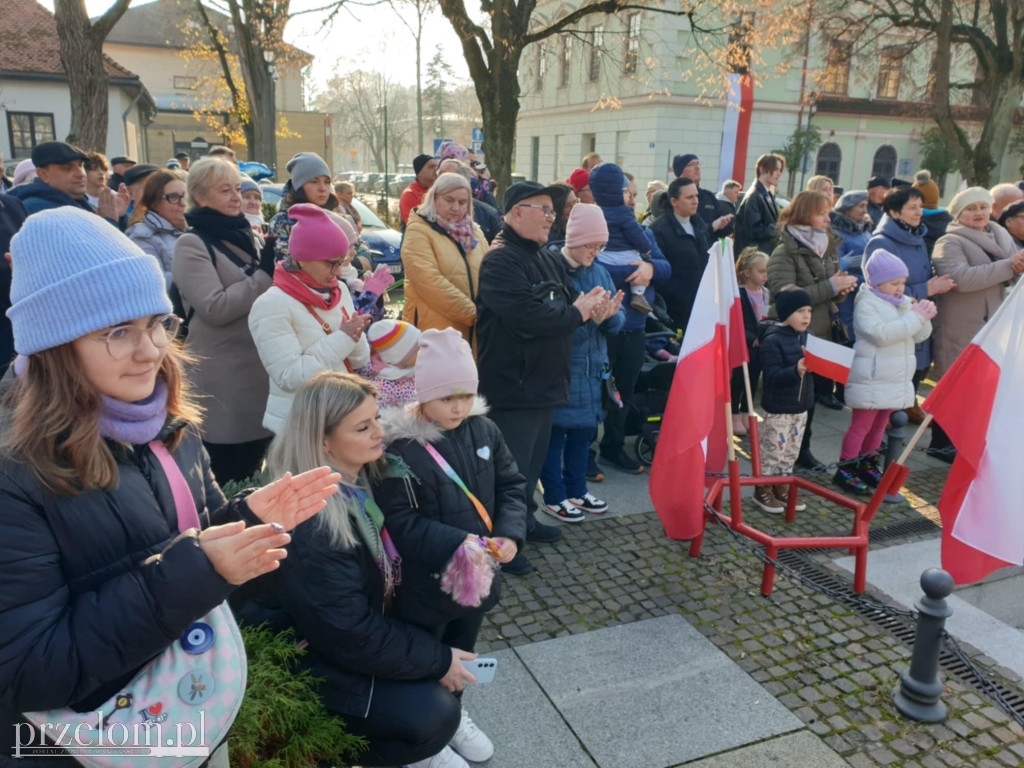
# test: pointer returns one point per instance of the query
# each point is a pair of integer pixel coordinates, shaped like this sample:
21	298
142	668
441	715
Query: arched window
830	157
884	164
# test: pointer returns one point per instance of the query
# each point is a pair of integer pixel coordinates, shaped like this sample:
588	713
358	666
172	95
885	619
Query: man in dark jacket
528	313
709	208
878	188
118	165
757	212
12	216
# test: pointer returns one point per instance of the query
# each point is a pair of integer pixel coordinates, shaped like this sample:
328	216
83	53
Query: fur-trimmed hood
403	423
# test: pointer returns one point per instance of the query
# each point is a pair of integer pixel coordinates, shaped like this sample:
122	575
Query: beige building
151	39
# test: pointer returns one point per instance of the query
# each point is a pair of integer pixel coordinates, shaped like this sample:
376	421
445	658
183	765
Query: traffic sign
478	134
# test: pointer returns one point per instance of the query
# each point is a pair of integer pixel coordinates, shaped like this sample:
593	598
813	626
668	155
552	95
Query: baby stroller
650	396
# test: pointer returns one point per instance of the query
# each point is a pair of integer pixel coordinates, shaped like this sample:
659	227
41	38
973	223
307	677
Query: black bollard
896	439
917	696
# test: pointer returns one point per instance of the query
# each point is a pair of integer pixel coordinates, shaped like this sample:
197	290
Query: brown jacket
440	281
978	262
794	265
229	375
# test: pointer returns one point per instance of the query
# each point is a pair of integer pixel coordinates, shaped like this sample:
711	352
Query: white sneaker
588	502
470	742
446	758
565	511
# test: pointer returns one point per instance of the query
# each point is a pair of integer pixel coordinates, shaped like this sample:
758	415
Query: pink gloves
379	281
926	309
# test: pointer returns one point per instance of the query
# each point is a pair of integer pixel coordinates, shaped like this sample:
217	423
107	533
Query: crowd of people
162	338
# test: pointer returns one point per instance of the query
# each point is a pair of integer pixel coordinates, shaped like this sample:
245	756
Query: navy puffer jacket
80	608
781	350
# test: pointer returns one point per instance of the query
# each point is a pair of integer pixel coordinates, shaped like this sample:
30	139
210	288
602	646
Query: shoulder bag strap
184	504
454	477
327	328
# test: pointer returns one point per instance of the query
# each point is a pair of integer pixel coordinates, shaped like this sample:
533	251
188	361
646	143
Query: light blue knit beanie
73	274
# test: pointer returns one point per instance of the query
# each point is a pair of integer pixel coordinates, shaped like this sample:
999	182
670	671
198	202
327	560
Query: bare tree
81	55
421	9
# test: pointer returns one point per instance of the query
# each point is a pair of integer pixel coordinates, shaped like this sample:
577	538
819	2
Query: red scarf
301	287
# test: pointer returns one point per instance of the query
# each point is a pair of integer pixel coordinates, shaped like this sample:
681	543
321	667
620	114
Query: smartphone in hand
482	669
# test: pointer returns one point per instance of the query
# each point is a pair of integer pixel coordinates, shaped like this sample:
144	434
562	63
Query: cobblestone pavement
832	667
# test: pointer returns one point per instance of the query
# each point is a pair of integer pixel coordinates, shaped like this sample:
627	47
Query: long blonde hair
318	407
53	414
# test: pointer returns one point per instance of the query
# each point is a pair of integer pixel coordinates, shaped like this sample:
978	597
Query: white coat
294	347
884	362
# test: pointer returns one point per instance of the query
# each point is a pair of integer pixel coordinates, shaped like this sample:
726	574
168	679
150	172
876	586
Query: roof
160	24
29	43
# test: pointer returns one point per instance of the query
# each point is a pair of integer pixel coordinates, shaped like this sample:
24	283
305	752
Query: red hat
579	179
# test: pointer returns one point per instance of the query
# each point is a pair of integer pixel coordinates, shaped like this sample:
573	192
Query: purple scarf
886	297
135	423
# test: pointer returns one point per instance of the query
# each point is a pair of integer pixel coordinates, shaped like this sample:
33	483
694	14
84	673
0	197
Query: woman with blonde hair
442	251
379	673
159	219
115	541
220	268
822	184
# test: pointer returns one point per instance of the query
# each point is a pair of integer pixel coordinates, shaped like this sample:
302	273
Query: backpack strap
184	503
454	477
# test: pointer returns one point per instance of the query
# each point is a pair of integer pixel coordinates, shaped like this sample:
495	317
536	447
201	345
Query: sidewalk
622	651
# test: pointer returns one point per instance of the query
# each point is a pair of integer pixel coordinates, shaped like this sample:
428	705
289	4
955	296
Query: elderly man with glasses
528	312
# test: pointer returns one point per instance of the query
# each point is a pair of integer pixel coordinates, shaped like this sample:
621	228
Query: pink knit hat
586	226
444	366
316	235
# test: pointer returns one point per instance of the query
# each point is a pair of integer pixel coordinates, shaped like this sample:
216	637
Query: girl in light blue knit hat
116	542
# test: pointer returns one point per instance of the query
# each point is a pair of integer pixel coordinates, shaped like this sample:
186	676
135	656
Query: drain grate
901	627
918	527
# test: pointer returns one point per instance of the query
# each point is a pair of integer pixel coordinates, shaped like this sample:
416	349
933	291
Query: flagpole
914	440
755	448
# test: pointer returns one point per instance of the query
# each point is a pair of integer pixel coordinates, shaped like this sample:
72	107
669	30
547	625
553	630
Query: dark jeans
526	432
407	722
461	634
236	461
739	389
626	353
564	475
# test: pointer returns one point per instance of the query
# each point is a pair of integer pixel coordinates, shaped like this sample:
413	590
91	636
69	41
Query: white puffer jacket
294	347
884	360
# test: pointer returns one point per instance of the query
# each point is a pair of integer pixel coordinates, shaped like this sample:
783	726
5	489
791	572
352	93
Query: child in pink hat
464	513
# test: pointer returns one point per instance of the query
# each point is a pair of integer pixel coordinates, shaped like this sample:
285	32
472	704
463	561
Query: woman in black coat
97	576
684	239
337	587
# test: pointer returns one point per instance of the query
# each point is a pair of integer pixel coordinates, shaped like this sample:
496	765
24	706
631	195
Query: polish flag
978	404
699	390
828	359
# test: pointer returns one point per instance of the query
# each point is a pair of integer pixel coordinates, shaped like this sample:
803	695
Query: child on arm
788	395
752	276
466	496
888	324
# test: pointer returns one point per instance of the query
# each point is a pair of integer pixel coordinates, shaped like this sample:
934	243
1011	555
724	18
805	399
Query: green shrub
282	722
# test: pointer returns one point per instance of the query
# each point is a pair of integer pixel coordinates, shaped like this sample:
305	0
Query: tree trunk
81	55
419	82
259	88
1005	94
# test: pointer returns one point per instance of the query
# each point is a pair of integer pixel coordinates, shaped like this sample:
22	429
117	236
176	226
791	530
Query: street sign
478	134
437	145
477	147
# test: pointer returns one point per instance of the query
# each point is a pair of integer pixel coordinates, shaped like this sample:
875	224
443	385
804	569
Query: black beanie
679	163
788	302
419	161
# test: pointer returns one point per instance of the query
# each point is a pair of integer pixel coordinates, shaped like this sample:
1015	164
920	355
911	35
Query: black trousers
738	389
527	432
407	722
236	461
626	354
805	442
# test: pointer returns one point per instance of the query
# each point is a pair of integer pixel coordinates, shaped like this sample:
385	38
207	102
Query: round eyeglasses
174	198
125	339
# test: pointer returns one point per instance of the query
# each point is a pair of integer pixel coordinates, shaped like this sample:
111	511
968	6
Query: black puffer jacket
334	599
688	255
429	516
781	349
81	613
526	322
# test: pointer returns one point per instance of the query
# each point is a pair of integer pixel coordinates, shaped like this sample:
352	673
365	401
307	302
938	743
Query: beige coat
978	262
229	376
794	265
440	282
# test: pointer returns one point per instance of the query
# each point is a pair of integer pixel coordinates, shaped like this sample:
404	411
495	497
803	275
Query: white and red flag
688	441
828	359
978	404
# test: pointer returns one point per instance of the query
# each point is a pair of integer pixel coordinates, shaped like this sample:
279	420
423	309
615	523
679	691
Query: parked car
369	182
401	182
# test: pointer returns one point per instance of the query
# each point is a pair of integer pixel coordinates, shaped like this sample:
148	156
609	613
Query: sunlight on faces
318	190
799	320
821	220
428	174
531	223
97	177
771	178
173	212
224	196
692	171
252	202
911	212
448	412
1015	226
893	287
131	378
685	205
68	178
877	194
356	440
757	275
452	206
629	196
975	215
583	255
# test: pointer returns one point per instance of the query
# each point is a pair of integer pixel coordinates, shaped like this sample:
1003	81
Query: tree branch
102	26
609	7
